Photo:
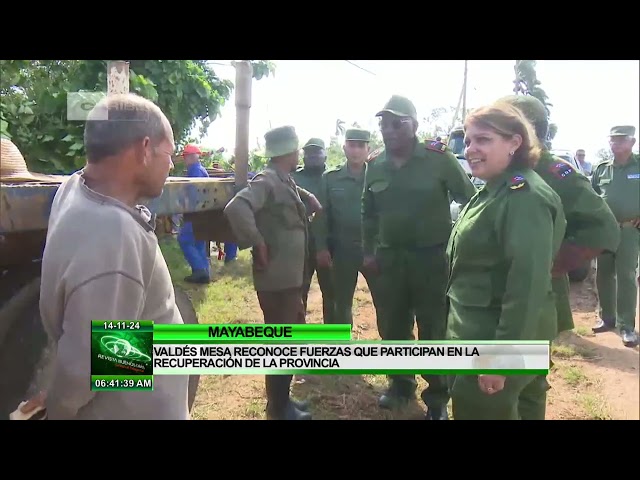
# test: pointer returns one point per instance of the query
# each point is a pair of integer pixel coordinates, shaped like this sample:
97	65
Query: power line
358	66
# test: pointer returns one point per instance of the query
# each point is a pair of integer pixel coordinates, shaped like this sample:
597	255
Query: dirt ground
594	377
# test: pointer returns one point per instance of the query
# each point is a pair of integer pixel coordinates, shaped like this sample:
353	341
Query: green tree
33	111
527	83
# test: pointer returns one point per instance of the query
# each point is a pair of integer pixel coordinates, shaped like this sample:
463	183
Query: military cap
532	108
400	107
314	142
357	134
281	141
623	131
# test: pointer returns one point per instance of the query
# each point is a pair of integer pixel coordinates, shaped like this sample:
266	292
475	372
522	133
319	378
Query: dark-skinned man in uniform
270	216
309	177
591	227
406	223
338	229
618	181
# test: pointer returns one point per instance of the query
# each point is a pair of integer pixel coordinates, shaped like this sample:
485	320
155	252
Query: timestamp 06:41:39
121	382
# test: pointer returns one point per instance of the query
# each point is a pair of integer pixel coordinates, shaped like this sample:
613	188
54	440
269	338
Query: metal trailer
24	215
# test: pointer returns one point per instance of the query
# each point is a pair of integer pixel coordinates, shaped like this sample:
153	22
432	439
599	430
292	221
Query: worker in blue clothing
195	252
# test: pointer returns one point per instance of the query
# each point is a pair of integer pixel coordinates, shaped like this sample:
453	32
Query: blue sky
588	97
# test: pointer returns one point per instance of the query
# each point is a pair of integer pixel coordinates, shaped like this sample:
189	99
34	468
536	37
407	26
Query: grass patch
584	331
574	376
595	406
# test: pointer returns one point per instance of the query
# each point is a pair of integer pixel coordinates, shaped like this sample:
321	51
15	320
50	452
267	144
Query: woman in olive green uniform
501	252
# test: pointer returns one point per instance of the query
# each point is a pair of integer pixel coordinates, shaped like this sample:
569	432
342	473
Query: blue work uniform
195	252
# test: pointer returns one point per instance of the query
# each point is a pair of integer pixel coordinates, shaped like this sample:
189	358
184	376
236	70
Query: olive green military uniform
616	278
406	223
338	229
310	180
500	254
591	225
590	222
270	211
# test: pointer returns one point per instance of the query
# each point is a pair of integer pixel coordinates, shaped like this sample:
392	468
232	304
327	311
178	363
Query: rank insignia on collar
436	146
561	169
517	182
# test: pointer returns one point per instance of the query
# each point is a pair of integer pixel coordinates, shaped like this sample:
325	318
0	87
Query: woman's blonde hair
507	121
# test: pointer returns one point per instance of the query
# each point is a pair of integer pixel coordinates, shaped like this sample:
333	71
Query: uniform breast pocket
288	209
379	189
337	194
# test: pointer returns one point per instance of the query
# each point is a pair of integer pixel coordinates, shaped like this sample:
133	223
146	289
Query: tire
189	316
580	274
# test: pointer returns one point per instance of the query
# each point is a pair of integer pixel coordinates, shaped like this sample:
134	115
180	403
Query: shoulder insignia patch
435	146
375	154
517	182
561	169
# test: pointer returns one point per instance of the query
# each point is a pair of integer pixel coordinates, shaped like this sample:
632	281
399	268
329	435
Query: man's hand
314	204
323	259
370	264
636	222
491	384
260	257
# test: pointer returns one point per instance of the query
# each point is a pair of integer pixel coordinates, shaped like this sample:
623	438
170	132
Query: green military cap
532	108
314	142
281	141
400	107
357	134
623	131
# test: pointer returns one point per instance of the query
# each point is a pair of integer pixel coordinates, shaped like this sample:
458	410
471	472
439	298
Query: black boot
198	276
279	404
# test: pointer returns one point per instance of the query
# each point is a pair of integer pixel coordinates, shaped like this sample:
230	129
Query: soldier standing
591	226
269	215
309	177
406	222
338	229
618	181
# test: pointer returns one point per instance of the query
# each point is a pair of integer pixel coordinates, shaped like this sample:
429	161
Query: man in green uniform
270	216
591	227
618	181
406	223
309	177
338	229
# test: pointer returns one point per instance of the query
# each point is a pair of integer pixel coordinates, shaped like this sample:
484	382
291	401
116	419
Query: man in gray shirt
102	261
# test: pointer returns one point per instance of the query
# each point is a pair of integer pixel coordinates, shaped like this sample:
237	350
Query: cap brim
32	177
313	145
392	112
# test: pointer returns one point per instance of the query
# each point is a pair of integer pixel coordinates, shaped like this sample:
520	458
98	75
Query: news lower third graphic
121	355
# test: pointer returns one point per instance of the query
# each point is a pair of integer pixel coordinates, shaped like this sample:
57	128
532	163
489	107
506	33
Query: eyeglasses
395	123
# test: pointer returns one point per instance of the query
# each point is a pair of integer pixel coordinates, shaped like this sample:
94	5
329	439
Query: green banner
250	333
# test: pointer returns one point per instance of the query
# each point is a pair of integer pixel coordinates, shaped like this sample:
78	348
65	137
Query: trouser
325	281
414	282
230	251
561	289
524	397
280	307
347	263
195	252
616	279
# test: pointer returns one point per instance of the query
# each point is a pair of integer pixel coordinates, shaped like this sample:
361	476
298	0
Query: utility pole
244	72
464	92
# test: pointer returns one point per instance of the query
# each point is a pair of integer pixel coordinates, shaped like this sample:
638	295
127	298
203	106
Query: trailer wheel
189	316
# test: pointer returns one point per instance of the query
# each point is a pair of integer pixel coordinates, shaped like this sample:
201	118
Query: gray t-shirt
102	261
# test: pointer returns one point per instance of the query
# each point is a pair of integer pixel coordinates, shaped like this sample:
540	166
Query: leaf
68	138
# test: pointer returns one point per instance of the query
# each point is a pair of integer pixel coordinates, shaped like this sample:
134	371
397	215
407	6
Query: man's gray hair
117	122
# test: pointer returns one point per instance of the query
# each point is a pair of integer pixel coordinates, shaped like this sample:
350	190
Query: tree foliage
33	111
527	83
